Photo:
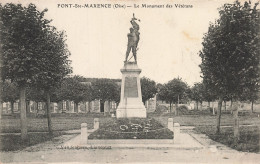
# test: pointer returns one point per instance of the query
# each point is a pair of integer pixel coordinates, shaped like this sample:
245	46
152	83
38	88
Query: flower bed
135	128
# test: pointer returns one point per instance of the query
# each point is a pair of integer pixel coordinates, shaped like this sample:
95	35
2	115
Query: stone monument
131	104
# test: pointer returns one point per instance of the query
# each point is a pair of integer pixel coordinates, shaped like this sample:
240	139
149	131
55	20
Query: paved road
131	155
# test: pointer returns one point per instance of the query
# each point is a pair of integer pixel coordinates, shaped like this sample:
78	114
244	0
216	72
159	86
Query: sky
170	38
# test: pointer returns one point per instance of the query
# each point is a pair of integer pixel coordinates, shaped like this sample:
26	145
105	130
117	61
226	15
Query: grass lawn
249	135
207	120
13	142
62	122
248	142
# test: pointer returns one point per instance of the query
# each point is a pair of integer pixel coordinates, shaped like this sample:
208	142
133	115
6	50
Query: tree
208	95
36	95
1	67
230	54
148	88
250	94
162	92
74	90
226	98
88	95
106	90
21	36
35	54
197	93
10	93
173	92
53	65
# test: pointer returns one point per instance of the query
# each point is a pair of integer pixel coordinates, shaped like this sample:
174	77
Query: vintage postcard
121	81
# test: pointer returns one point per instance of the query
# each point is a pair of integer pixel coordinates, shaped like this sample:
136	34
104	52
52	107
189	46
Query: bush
183	110
161	109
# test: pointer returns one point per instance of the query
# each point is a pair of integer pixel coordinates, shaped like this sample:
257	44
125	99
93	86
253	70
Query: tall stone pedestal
131	104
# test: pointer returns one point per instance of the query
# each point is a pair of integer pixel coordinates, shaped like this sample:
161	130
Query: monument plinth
131	104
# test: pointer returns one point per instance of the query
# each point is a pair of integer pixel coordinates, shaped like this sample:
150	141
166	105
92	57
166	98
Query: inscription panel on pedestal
131	87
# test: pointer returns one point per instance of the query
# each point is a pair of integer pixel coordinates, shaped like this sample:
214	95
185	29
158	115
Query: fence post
170	124
84	134
176	133
96	123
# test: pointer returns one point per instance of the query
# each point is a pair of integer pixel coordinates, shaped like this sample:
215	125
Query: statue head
131	29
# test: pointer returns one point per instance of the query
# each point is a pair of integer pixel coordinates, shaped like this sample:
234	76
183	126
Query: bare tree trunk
27	106
85	111
76	107
176	109
1	81
48	107
178	99
225	105
231	106
12	107
63	110
236	121
85	107
89	106
7	107
67	106
37	107
1	108
252	106
208	104
170	107
197	105
219	115
109	105
24	133
201	105
19	106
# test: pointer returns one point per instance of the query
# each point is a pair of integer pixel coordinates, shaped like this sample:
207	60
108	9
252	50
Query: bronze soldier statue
133	39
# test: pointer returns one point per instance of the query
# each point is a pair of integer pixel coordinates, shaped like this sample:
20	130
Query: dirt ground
49	152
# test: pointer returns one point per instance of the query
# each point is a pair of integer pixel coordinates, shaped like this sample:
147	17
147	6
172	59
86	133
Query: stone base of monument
128	111
132	133
131	104
186	142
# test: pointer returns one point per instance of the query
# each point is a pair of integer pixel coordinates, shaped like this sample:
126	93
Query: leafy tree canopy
148	88
22	30
230	54
106	90
197	92
10	92
173	90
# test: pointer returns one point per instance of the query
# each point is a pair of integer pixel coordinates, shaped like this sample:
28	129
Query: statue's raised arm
134	24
